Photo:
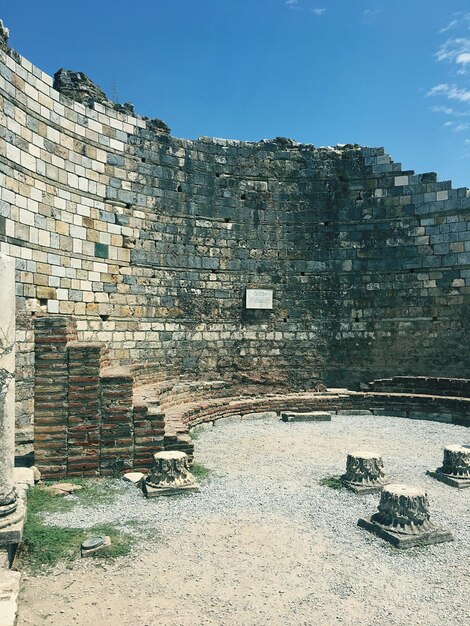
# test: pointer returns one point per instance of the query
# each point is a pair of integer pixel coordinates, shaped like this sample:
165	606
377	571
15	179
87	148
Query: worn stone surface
403	518
4	34
9	592
308	416
135	478
364	472
11	513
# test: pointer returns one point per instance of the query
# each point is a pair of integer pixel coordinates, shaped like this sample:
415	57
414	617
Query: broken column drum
456	462
11	508
364	472
169	475
404	510
455	470
403	518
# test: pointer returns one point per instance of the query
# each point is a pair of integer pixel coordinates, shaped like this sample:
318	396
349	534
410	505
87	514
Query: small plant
333	482
196	432
201	472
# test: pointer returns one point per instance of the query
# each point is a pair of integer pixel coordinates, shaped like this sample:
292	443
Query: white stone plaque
259	298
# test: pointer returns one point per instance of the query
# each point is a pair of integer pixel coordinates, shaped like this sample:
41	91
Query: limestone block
311	416
134	478
263	415
9	592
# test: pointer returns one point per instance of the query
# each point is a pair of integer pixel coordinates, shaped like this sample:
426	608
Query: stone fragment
36	473
455	470
23	476
403	518
169	475
9	592
230	419
135	478
264	415
311	416
364	472
94	545
4	35
63	489
202	426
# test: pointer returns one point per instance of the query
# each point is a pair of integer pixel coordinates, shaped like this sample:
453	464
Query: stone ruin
163	283
364	472
455	469
403	518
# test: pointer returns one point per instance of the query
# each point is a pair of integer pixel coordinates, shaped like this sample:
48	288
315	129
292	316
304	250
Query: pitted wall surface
150	242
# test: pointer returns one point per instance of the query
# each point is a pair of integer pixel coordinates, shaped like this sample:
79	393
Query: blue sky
379	72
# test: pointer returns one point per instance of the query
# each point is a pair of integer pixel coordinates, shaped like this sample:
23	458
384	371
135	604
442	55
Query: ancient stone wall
150	242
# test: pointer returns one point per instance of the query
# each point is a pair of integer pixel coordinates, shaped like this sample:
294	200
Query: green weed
333	482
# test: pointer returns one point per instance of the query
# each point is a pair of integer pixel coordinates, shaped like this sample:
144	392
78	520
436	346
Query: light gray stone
9	592
311	416
263	415
11	513
224	421
135	478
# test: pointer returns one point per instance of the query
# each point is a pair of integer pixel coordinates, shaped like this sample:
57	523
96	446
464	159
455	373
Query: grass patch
44	545
200	471
333	482
196	432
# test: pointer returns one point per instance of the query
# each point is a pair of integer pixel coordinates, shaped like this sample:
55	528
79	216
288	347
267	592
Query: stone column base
11	527
363	488
405	541
154	492
453	481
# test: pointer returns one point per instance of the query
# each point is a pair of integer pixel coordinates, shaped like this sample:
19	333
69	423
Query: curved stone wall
150	241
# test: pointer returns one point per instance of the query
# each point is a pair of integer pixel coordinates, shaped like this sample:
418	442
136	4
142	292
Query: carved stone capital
169	474
404	510
364	471
456	461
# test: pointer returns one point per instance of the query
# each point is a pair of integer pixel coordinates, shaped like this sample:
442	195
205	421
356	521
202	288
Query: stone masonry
148	243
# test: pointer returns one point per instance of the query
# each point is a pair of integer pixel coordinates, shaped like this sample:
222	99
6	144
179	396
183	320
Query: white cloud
463	57
443	109
318	11
368	15
452	24
451	92
293	4
454	49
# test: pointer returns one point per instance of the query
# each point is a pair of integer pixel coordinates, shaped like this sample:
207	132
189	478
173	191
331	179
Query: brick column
84	405
149	429
117	431
51	394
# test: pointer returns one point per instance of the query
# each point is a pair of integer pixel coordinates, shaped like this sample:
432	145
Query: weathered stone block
310	416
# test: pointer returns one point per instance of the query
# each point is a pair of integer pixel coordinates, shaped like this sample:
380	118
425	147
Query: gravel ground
265	543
